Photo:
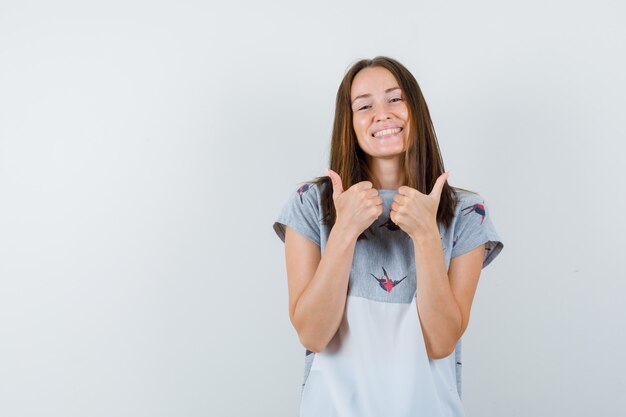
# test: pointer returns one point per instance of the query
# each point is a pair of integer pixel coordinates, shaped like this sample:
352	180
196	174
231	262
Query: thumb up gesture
357	207
416	213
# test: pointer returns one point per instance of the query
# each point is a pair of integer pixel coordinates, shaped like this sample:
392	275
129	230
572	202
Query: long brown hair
422	163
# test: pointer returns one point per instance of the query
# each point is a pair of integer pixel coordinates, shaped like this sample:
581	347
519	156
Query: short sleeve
474	227
301	213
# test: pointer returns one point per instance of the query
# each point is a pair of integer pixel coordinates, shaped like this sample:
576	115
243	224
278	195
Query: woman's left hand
416	213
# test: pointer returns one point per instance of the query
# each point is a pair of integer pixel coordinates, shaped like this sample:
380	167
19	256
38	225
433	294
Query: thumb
337	183
438	187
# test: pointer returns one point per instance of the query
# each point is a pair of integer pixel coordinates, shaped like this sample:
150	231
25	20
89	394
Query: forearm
320	308
439	313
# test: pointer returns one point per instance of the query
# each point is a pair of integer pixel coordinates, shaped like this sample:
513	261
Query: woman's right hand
357	207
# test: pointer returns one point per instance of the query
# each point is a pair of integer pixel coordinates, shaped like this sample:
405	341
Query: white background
147	146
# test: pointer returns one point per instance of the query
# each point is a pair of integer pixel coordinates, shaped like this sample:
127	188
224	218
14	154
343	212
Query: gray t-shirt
376	364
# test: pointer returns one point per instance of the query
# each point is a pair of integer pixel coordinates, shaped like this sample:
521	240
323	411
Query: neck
386	173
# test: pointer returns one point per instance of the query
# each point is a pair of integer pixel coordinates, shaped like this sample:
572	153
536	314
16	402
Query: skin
318	283
370	114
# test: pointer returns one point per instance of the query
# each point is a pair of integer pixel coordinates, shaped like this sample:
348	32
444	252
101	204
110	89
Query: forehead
372	80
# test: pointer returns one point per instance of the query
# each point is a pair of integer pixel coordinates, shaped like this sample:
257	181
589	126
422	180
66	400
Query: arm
318	285
444	298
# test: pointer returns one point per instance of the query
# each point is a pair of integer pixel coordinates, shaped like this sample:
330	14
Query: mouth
387	133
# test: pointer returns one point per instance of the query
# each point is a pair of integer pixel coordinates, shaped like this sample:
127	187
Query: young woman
383	258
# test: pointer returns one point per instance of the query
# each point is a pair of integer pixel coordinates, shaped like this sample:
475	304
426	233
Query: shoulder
308	191
314	189
472	226
466	198
305	197
470	208
301	212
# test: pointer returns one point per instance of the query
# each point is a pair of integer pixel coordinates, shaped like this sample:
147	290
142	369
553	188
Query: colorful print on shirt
476	208
387	283
301	190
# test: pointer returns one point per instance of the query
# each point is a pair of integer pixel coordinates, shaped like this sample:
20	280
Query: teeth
387	132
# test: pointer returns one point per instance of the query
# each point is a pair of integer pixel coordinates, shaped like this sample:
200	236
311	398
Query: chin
385	155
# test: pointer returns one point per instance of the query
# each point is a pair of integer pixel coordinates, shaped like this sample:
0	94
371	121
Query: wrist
344	231
426	235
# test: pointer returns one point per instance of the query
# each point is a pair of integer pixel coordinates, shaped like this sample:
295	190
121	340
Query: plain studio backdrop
146	148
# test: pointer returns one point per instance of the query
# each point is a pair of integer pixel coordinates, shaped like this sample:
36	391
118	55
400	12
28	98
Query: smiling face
379	114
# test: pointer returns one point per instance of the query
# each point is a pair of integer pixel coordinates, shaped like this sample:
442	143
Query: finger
399	199
407	191
337	183
364	185
438	187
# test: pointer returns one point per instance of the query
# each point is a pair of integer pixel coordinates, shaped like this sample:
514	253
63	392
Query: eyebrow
369	95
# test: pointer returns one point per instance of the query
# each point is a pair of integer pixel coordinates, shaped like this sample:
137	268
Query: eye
361	108
396	98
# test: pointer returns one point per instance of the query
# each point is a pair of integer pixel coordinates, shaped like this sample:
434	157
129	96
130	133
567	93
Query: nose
382	113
